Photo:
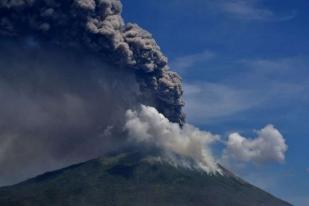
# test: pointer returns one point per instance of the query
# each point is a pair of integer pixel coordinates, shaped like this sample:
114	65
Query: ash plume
147	126
69	70
96	25
73	75
54	112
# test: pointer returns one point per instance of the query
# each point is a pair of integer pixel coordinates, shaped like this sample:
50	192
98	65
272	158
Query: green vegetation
129	180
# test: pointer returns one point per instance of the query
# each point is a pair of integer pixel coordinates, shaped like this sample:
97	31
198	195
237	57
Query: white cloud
210	101
251	10
268	146
276	66
246	9
190	147
180	64
255	83
149	127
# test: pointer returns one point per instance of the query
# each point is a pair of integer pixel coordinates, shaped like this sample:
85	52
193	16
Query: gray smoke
54	112
96	25
69	70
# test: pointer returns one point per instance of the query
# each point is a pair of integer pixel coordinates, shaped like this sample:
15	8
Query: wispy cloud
210	101
280	65
252	10
284	76
182	63
255	83
248	10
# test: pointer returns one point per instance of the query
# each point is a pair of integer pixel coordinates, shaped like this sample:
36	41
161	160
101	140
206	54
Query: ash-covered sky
77	81
245	65
69	71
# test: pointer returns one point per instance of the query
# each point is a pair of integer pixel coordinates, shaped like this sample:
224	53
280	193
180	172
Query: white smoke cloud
150	127
63	101
268	146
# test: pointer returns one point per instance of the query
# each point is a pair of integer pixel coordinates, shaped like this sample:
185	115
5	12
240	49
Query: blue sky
244	64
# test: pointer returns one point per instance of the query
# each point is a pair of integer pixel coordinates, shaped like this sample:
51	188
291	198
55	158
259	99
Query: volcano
133	179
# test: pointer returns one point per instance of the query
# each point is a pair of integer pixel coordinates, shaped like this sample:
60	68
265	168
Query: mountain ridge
131	179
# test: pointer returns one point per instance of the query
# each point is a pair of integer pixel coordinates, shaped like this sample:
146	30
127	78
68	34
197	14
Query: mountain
129	179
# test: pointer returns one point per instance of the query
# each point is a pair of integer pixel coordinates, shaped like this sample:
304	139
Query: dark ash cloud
54	112
98	26
69	70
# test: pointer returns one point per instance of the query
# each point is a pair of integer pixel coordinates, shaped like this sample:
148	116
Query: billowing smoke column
96	25
73	77
147	126
69	71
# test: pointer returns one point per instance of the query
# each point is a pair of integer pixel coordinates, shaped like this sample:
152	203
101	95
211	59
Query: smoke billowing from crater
147	126
70	69
73	75
57	107
96	26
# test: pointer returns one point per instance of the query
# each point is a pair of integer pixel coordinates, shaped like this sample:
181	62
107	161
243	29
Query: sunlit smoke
268	146
148	126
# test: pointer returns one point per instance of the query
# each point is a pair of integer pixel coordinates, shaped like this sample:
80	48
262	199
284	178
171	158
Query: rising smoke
72	78
268	146
96	25
53	111
69	71
149	127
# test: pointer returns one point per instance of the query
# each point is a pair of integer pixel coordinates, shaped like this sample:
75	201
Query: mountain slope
129	180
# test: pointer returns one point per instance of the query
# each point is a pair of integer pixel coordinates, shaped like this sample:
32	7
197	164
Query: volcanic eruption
69	72
76	82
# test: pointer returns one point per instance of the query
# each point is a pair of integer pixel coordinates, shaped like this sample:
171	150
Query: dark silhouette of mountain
128	179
